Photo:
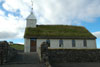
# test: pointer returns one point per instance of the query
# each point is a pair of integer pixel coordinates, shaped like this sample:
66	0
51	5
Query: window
33	38
73	43
60	43
85	43
48	42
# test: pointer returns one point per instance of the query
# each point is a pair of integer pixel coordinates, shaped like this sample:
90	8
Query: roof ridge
62	25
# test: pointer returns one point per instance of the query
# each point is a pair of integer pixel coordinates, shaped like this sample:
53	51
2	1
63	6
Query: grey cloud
68	11
7	35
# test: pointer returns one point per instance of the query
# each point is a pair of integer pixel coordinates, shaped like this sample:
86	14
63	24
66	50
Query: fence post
1	57
7	53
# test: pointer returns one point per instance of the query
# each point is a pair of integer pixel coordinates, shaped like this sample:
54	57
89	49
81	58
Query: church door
33	45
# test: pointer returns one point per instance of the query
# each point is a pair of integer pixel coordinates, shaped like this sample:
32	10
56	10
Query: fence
6	52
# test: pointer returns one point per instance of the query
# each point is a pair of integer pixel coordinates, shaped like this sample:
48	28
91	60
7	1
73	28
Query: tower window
73	43
85	43
60	43
48	42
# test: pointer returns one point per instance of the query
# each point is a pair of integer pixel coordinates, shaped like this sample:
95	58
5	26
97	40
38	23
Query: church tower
30	22
31	19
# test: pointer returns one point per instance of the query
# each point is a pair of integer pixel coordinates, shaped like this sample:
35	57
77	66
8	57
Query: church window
60	43
48	42
85	43
73	43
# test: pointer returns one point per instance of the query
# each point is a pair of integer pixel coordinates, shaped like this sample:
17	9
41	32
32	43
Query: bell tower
31	19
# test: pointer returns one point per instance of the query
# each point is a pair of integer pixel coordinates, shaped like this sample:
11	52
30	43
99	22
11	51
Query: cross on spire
32	6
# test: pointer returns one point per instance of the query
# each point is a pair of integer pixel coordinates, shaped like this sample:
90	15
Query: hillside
18	46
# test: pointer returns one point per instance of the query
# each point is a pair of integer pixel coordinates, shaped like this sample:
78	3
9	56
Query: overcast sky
67	12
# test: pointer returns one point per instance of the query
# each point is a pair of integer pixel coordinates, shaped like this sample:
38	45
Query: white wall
54	43
67	43
31	23
26	45
91	44
79	44
39	42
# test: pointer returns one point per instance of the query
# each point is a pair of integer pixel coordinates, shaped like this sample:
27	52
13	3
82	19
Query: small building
57	36
11	43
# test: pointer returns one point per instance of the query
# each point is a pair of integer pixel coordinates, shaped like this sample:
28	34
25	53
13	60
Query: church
57	36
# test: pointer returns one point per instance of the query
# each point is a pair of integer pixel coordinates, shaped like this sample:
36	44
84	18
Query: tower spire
32	6
31	19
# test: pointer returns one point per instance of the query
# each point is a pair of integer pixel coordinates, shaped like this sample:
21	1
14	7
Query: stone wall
73	55
12	52
6	52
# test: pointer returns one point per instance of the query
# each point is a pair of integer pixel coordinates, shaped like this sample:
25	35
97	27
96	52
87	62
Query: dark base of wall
76	65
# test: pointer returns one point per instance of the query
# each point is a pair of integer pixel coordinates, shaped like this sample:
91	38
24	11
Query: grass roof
57	31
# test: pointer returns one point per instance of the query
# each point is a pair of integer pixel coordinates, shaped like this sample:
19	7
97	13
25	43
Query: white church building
57	36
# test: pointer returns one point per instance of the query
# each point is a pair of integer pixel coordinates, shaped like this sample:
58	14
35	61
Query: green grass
58	30
18	47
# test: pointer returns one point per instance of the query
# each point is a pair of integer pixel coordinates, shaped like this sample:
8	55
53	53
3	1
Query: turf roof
58	31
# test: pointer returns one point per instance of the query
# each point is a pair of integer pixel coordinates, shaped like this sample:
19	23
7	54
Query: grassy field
18	46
